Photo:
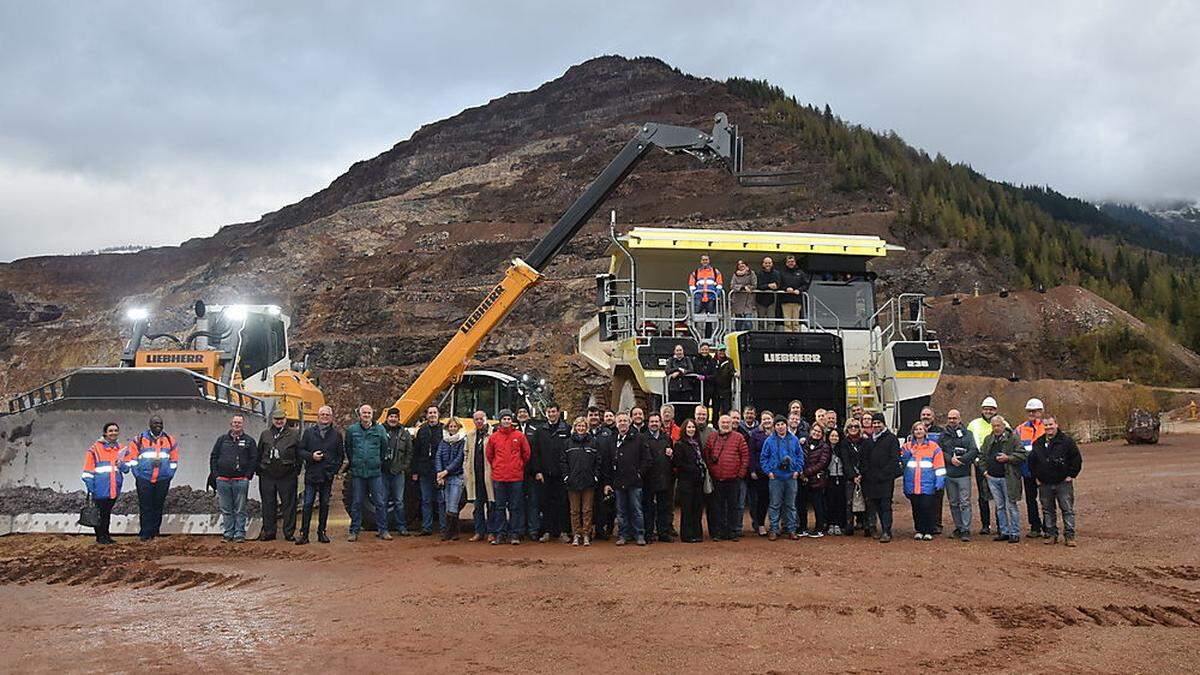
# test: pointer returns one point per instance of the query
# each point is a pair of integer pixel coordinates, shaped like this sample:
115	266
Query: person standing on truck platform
429	436
794	283
508	451
1055	463
704	366
278	471
366	443
1028	432
231	465
980	427
397	466
153	459
322	450
103	466
477	475
532	491
742	296
721	382
679	384
705	284
766	300
877	476
549	444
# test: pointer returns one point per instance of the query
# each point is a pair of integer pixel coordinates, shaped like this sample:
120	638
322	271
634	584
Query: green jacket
397	455
365	449
1009	445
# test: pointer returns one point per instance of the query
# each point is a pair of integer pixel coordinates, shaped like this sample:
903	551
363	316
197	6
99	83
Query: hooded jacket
146	448
507	450
450	454
579	463
924	467
103	466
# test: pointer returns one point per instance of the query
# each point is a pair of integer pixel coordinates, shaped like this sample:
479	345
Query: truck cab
847	346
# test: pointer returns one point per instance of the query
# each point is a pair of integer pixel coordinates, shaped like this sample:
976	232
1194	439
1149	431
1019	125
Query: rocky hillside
380	267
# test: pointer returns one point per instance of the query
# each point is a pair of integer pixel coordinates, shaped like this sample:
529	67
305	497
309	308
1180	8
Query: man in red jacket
507	450
728	457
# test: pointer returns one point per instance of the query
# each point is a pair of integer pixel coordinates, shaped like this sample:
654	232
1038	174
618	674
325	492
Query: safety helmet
1034	404
989	402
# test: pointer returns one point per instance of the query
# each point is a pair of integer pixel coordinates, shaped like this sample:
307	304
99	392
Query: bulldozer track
1142	578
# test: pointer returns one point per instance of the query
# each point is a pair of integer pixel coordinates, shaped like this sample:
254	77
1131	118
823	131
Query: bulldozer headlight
235	312
137	313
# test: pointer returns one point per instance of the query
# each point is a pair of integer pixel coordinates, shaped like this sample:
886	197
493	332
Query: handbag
88	516
858	502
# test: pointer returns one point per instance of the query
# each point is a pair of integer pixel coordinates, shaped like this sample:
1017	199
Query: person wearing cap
507	450
1028	433
397	464
1055	464
278	471
980	427
721	382
877	473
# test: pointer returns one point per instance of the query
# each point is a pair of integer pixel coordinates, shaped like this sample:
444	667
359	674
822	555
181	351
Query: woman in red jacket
812	482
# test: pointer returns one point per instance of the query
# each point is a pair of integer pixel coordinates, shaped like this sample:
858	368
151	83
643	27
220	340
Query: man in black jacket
766	299
1055	462
532	491
658	505
793	281
604	511
721	382
278	469
425	446
322	449
549	444
704	365
231	465
880	467
625	462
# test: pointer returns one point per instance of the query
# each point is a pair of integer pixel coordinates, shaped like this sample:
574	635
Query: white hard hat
1034	404
989	402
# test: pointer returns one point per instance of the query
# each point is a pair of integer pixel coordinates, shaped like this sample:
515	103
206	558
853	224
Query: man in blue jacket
782	461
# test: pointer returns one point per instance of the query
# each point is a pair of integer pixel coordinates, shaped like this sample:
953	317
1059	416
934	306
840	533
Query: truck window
848	304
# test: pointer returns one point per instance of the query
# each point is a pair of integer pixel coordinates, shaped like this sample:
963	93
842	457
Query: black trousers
1032	506
658	512
691	503
722	402
311	492
605	513
924	509
151	498
881	508
283	491
555	509
985	513
806	495
938	508
758	494
104	509
726	506
835	501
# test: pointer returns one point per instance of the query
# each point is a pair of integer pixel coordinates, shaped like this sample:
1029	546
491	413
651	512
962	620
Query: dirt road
1126	600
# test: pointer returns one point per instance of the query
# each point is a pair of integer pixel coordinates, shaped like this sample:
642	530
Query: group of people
769	296
606	475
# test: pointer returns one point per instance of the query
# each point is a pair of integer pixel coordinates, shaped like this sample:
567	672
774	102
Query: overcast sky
152	122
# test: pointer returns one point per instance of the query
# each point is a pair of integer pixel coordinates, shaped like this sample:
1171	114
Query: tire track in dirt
1142	578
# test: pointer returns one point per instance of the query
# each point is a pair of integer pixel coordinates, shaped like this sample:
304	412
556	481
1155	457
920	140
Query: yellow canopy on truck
662	238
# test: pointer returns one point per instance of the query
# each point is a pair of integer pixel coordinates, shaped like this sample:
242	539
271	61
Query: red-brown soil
1127	599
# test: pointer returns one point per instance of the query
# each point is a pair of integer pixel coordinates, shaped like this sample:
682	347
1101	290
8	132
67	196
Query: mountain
379	268
1177	223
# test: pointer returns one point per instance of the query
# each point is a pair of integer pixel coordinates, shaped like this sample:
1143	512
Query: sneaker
515	541
544	538
587	541
885	537
917	537
927	537
575	540
641	541
1014	539
386	536
816	534
804	533
493	540
762	531
564	538
620	541
353	537
772	536
1070	542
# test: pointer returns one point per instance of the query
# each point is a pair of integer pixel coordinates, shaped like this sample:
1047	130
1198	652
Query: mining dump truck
235	361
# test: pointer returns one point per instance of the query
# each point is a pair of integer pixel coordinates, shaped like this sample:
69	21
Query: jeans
808	495
881	508
924	511
1008	514
232	494
429	490
151	498
1031	503
358	490
741	507
726	507
629	510
533	506
311	492
1061	495
282	490
958	493
450	495
783	498
393	488
767	316
508	508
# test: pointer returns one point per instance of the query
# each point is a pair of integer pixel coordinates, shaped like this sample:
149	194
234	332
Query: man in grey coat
959	451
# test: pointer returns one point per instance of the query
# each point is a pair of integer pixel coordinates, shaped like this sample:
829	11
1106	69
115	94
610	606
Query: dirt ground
1126	600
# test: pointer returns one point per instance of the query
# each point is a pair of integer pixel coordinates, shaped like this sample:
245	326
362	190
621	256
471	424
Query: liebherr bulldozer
235	361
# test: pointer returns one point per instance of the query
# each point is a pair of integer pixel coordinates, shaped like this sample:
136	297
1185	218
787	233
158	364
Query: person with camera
1055	463
959	451
781	460
103	468
278	470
